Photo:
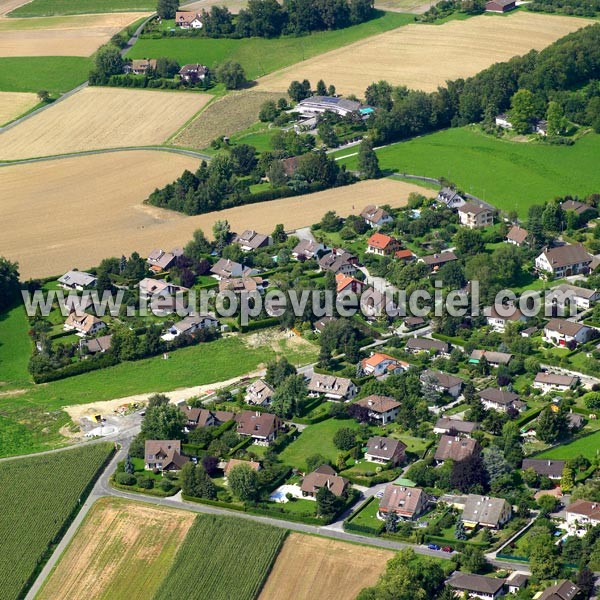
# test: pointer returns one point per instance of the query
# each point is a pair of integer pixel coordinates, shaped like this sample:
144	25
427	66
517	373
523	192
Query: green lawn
367	517
55	74
47	8
260	56
510	175
15	349
587	446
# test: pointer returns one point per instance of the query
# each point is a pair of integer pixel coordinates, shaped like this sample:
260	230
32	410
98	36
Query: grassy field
48	8
510	175
15	349
587	446
260	56
55	74
222	559
122	550
38	495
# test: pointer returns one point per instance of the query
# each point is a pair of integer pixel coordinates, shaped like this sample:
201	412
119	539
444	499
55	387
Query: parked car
433	547
447	549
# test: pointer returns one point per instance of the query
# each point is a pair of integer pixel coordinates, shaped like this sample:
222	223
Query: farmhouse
442	382
553	382
188	20
163	455
417	344
562	590
261	427
435	261
562	332
544	467
494	359
382	409
451	198
582	515
565	295
140	66
382	245
385	450
453	427
517	235
476	586
380	365
338	261
375	216
474	215
259	393
563	261
84	324
322	477
192	323
193	73
484	511
334	388
501	400
455	448
346	283
251	240
316	105
500	6
407	502
307	249
158	260
498	316
77	280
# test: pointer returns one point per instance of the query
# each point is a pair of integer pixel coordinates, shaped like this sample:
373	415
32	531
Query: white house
548	382
564	261
503	120
582	515
84	324
565	294
375	216
451	198
474	215
562	332
442	382
333	388
499	315
380	365
259	393
382	409
193	323
77	280
501	400
188	20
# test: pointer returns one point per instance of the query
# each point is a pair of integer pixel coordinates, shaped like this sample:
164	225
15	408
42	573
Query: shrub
146	483
125	479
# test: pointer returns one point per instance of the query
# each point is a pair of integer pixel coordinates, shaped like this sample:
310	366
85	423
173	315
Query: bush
125	479
165	485
146	483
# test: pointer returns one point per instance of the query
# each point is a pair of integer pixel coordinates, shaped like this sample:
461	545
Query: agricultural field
227	116
48	8
587	446
335	569
509	175
260	56
13	104
96	118
39	496
424	57
122	550
15	349
222	558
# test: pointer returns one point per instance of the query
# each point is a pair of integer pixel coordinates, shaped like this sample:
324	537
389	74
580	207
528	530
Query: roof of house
169	451
324	476
99	344
503	3
257	424
399	498
192	321
455	448
474	209
334	261
499	311
376	359
555	379
413	321
323	322
325	101
501	358
563	590
324	384
498	396
483	509
380	241
225	267
241	284
383	447
403	254
569	254
378	404
234	462
290	165
342	281
439	259
441	379
565	327
456	425
183	15
307	247
260	390
544	466
585	508
195	69
475	583
83	322
374	214
80	278
575	290
160	258
574	205
251	239
517	234
417	343
202	416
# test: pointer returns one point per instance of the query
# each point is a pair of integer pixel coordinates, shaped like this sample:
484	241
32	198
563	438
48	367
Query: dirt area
233	5
335	569
275	339
122	550
425	56
61	36
13	104
228	115
96	118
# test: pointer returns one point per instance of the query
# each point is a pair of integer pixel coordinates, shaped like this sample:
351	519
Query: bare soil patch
425	56
336	569
13	104
96	118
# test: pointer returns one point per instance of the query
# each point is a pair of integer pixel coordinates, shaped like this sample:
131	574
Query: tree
556	119
128	467
472	559
297	91
198	246
279	235
243	482
328	504
459	530
380	95
163	422
553	217
327	134
344	438
288	395
331	222
108	61
278	371
550	426
314	461
522	111
391	522
276	174
268	111
244	159
166	67
586	581
9	283
469	242
469	475
231	74
567	481
358	412
43	95
195	482
166	9
494	462
321	88
547	504
368	163
221	232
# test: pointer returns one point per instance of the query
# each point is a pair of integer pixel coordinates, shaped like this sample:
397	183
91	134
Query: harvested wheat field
75	198
234	6
425	56
7	6
13	104
336	569
122	550
228	115
96	118
61	36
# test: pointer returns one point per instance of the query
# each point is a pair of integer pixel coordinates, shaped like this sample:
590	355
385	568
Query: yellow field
61	36
309	567
90	207
233	5
97	118
122	550
426	56
7	6
13	104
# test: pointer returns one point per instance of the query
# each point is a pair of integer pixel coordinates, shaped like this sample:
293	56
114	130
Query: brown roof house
163	455
407	502
193	73
517	235
158	260
84	324
502	400
261	427
324	476
562	332
234	462
499	315
563	261
565	294
238	285
225	268
475	215
562	590
382	245
139	66
442	382
188	20
333	388
375	216
385	450
382	409
99	344
307	249
250	240
338	261
500	6
485	511
582	515
417	344
435	261
202	417
455	448
259	393
544	466
495	359
476	586
548	382
454	427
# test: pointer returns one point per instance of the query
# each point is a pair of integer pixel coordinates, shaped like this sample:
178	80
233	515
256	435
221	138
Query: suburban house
202	417
158	260
561	590
338	261
548	382
485	511
579	208
474	215
235	462
239	285
382	409
385	450
259	393
155	288
454	427
442	382
193	73
316	105
261	427
226	269
405	255
382	244
563	261
139	66
77	280
192	323
494	359
407	502
544	467
500	6
516	581
307	249
499	315
415	345
375	216
501	400
565	295
188	20
435	261
251	240
164	455
381	365
455	448
413	323
582	515
451	198
503	120
476	586
333	388
517	235
322	323
347	283
322	477
562	332
98	345
84	324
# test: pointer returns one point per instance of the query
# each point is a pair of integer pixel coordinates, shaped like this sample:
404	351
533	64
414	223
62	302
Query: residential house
261	427
454	427
405	255
380	365
77	280
476	586
251	240
411	323
582	515
579	208
158	260
188	20
548	382
406	502
98	345
193	73
435	261
375	216
259	393
322	477
307	249
415	345
485	511
139	66
517	235
234	462
499	315
442	382
475	215
239	285
562	332
575	421
382	409
382	245
494	359
202	417
164	455
501	400
225	268
156	288
333	388
316	105
564	261
451	198
500	6
385	450
338	261
544	467
561	590
290	165
568	296
322	323
84	324
347	283
541	127
503	120
193	323
456	448
527	333
516	581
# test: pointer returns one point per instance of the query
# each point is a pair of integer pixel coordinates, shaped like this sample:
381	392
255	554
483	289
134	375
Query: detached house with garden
406	502
382	409
164	455
563	261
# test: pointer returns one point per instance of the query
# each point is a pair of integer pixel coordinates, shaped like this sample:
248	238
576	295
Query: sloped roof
455	448
378	404
402	499
383	447
483	509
